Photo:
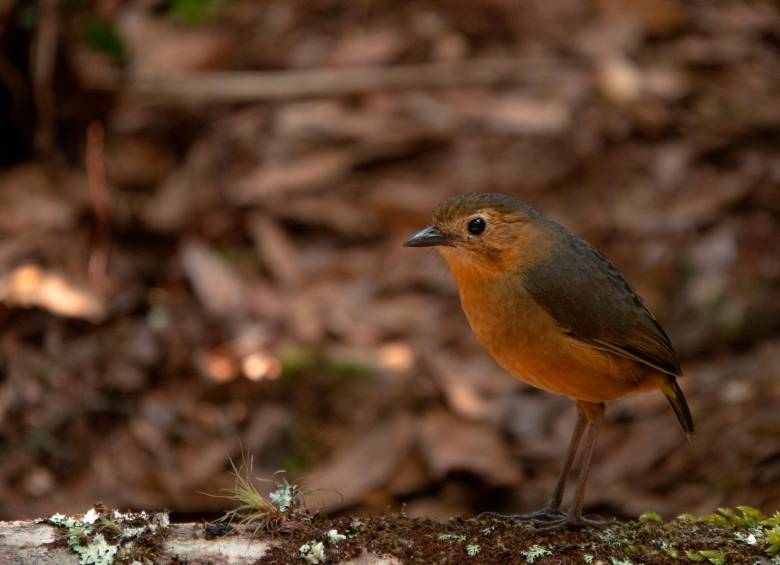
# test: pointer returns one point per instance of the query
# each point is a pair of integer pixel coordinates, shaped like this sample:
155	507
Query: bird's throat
470	270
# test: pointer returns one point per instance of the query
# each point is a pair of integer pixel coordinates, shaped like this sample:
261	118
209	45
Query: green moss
651	517
707	555
745	516
773	541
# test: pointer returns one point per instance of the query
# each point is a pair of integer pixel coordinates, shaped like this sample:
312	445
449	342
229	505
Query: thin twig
248	86
98	195
44	59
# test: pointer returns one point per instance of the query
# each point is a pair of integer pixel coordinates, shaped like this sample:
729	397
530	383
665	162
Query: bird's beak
429	237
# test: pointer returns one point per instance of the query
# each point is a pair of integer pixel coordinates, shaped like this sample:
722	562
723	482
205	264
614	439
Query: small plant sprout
489	530
587	558
472	549
268	514
313	552
334	536
535	552
616	561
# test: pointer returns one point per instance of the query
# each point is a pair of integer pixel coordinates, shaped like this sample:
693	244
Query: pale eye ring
477	226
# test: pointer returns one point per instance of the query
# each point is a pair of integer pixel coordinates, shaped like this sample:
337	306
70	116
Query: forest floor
726	537
185	276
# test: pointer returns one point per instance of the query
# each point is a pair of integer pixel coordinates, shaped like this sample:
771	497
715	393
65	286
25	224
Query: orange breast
527	342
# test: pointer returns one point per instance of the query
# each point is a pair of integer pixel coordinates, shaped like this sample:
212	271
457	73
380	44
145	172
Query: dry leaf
302	174
368	463
30	285
217	285
31	202
276	249
451	444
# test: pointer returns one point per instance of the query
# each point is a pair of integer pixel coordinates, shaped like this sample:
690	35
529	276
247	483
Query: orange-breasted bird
556	313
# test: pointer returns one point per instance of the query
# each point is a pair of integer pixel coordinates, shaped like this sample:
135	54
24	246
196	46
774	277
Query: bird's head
481	235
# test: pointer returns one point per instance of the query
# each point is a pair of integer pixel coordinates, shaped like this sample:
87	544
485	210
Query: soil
502	541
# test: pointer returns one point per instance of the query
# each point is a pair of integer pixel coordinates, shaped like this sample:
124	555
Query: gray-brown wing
587	296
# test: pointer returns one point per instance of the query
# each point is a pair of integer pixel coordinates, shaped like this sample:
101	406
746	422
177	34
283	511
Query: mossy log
28	542
393	539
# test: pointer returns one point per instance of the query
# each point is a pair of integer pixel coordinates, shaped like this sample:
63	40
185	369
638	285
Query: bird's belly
533	348
571	370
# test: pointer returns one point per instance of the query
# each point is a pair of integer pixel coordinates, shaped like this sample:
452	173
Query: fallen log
39	543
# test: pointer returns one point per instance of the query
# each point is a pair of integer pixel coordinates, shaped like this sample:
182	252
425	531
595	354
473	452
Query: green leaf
195	11
101	35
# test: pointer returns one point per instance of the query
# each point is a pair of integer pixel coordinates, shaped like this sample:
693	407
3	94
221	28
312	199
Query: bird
556	313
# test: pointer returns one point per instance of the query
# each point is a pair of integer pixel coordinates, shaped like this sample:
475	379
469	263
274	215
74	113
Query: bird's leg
594	413
554	505
552	511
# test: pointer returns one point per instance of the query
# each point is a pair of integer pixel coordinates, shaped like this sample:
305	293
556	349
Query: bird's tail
676	398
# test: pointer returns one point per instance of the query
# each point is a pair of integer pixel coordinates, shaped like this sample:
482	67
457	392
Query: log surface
27	542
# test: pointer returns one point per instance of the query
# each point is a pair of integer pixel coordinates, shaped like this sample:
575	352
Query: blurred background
202	205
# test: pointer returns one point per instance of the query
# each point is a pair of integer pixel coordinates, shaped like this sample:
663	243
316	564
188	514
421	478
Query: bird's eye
477	226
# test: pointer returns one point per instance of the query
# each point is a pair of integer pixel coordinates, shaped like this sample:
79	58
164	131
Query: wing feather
592	302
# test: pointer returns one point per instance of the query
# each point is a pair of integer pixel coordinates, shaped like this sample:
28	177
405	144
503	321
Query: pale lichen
535	552
284	495
99	537
334	536
451	537
313	552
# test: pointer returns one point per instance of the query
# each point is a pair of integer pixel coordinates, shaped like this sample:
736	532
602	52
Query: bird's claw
566	521
539	518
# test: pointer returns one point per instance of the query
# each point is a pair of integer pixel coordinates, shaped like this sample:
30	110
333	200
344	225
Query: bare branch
246	86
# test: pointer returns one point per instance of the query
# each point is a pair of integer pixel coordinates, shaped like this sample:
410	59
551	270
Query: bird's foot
540	517
568	521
